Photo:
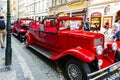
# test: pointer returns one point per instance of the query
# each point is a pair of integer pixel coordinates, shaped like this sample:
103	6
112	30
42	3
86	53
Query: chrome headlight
100	62
99	50
114	46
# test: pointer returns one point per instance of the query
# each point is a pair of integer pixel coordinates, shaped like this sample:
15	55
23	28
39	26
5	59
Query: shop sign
96	14
79	4
62	14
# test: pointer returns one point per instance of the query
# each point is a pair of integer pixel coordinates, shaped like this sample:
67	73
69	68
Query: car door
34	32
50	37
17	27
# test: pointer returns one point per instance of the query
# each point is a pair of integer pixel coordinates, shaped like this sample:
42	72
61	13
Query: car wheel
77	70
21	37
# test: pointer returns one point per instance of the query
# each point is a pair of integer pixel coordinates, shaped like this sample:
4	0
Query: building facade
40	8
68	7
3	8
21	8
36	8
14	12
101	11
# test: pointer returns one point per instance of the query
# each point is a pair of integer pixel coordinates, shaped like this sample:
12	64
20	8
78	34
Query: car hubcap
74	72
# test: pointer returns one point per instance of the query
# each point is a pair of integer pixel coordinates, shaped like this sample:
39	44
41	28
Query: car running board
41	51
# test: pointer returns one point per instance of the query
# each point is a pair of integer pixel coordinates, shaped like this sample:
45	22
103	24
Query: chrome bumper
102	72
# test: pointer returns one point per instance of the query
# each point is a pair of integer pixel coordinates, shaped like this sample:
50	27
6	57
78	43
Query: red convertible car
20	27
87	55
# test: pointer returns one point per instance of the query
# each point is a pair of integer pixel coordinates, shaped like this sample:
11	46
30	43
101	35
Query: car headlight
100	62
114	46
99	50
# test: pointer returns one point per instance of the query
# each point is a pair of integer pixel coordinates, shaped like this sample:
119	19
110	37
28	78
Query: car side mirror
42	27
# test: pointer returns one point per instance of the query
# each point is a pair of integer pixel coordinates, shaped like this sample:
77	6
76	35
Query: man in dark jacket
87	25
2	31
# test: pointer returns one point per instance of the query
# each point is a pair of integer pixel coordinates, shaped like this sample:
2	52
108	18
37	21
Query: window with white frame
42	4
54	3
58	2
63	1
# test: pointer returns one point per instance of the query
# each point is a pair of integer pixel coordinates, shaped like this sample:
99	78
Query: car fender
81	54
27	36
22	31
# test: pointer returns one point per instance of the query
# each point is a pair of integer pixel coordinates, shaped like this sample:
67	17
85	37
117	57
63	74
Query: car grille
98	41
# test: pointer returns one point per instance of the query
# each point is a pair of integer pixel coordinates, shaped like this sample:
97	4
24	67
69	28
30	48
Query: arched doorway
117	15
95	18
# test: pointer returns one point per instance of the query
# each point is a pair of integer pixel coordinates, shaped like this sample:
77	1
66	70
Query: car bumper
110	72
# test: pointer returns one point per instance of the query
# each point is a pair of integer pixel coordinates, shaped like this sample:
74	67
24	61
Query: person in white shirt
116	28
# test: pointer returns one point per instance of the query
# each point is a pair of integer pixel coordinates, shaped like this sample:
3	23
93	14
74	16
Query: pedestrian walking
106	26
116	28
87	25
95	27
2	31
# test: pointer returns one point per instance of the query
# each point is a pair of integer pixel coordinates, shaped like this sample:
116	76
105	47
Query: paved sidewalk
17	71
9	73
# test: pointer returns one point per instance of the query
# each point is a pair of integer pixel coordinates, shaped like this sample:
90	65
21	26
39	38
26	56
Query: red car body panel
82	54
77	43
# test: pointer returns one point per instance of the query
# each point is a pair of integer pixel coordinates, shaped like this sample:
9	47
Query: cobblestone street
28	65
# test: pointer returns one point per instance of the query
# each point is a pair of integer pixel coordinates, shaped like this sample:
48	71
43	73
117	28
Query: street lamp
8	56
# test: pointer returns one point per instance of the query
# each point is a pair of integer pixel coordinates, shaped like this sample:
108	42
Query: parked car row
87	55
20	27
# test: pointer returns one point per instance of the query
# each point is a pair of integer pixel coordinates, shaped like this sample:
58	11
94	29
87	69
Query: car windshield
69	24
26	21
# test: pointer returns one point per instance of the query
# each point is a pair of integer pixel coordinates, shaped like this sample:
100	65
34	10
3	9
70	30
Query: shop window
95	19
107	20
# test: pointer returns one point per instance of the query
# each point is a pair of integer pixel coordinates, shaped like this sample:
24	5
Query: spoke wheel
74	72
21	37
77	70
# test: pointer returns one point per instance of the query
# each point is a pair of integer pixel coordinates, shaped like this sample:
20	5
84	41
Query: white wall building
14	11
21	8
36	8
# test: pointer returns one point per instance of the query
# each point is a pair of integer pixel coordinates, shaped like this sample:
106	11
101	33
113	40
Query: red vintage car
87	55
20	27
